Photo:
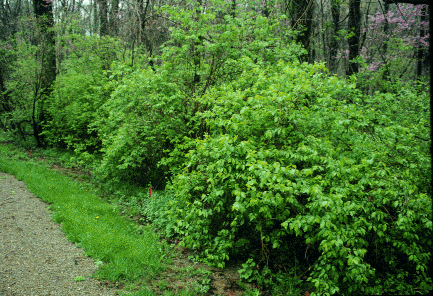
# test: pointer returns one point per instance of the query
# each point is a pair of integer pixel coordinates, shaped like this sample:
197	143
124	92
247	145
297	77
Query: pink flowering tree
395	43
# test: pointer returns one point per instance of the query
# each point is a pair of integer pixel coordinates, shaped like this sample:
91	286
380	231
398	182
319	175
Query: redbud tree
395	44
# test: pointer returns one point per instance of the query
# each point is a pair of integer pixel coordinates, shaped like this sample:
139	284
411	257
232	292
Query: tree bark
144	37
354	28
44	16
300	13
305	19
335	13
113	24
103	17
95	26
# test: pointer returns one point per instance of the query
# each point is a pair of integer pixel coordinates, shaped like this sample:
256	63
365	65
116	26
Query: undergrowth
97	219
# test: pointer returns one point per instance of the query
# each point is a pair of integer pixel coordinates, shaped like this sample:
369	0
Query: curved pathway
35	256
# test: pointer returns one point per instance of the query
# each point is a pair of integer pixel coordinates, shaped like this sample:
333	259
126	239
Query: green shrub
161	210
150	112
144	116
25	81
405	113
297	165
206	46
81	88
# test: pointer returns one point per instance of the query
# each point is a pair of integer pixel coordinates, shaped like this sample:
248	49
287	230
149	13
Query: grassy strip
130	200
127	250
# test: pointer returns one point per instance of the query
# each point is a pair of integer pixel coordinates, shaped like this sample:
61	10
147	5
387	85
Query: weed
79	278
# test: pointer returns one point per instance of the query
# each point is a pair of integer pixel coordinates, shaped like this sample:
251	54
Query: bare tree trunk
44	15
301	14
114	11
354	27
335	13
306	20
144	37
103	17
95	26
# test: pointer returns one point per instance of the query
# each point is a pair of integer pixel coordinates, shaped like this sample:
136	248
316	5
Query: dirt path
35	256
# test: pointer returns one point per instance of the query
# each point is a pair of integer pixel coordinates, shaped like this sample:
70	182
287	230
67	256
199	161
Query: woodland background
382	42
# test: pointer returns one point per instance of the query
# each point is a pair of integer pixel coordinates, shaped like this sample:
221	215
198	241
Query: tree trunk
95	26
305	21
144	37
44	15
103	17
335	13
113	24
354	28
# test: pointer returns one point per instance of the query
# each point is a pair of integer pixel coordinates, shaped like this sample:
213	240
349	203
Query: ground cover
174	271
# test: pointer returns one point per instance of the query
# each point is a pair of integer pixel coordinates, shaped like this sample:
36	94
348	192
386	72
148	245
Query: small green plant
79	278
200	287
20	156
203	271
162	284
252	292
160	211
248	272
99	264
276	282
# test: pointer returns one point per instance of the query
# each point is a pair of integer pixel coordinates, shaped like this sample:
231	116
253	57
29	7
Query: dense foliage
205	52
297	163
151	110
82	87
22	97
264	159
145	116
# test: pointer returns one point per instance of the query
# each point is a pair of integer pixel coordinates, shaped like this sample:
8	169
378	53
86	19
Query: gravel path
35	256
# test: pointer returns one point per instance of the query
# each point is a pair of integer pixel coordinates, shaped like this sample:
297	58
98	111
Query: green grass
123	251
128	251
